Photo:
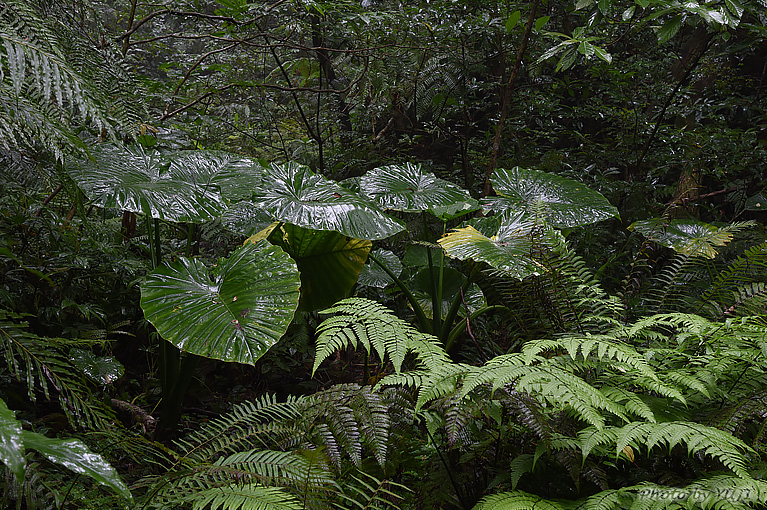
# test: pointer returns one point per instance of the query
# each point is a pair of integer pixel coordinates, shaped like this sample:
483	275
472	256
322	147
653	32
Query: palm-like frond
360	321
51	79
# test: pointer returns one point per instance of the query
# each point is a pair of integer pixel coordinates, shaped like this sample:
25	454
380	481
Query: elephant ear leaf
294	194
234	311
508	251
231	175
75	455
409	188
328	261
131	179
565	202
688	237
11	445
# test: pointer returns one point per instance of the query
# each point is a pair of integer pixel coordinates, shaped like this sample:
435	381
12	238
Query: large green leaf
688	237
178	186
567	203
374	275
509	250
74	455
70	453
329	262
294	194
134	180
234	311
11	443
99	369
246	219
234	177
409	188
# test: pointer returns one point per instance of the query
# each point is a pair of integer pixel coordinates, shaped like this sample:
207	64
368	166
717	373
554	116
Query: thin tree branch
507	99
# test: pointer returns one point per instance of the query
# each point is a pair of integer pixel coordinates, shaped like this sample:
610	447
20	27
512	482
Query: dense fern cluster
51	82
269	454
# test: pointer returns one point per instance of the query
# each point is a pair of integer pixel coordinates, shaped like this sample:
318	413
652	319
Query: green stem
423	322
436	295
458	329
454	307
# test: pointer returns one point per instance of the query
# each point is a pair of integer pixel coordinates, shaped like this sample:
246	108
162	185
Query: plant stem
423	322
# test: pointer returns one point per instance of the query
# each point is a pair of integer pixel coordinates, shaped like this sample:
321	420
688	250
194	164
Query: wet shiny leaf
294	194
182	186
75	456
329	262
374	276
411	189
565	202
101	370
11	445
194	307
509	250
688	237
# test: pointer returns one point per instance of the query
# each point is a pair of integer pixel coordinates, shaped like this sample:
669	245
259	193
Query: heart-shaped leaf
294	194
234	311
566	203
246	219
329	262
409	188
101	370
134	180
234	177
508	251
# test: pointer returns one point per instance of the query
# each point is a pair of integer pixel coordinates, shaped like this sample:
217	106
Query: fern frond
246	497
600	348
52	79
362	321
733	418
44	365
517	500
365	491
557	386
630	401
356	416
251	424
734	287
698	438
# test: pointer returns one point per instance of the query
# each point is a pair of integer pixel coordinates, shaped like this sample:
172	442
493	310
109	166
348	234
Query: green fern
246	497
734	287
51	79
43	364
698	438
360	321
299	446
